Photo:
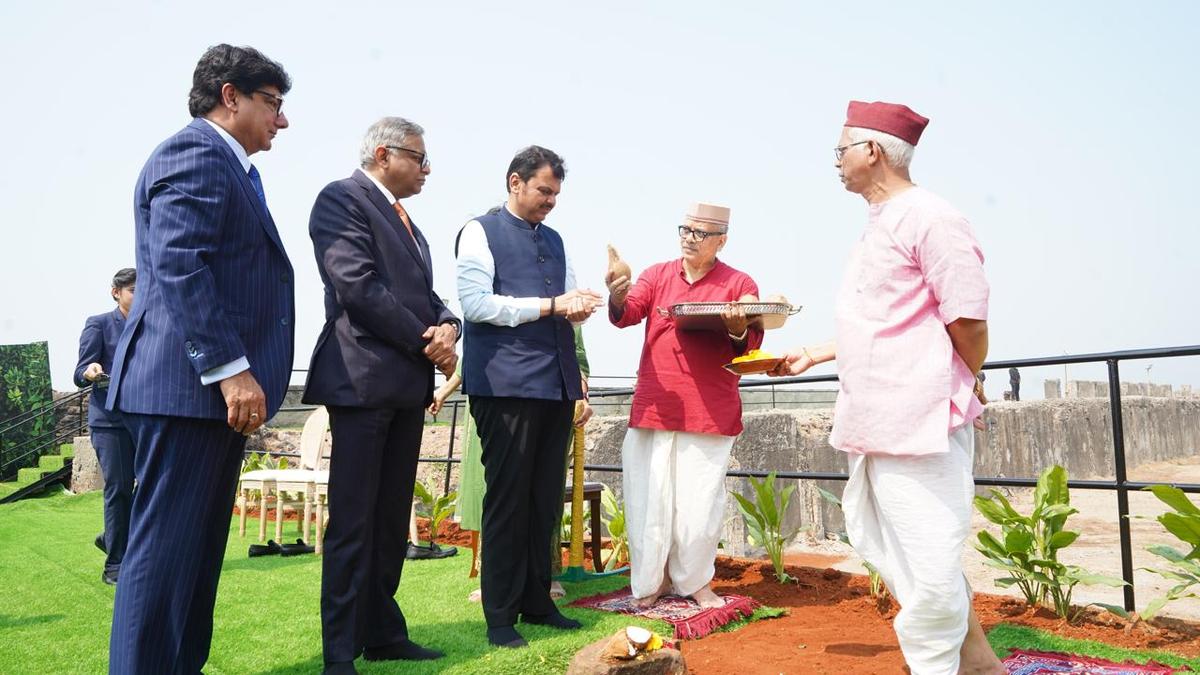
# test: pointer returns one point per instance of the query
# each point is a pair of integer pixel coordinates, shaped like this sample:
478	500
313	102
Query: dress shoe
404	650
554	620
270	548
297	548
418	552
99	542
505	636
340	668
109	576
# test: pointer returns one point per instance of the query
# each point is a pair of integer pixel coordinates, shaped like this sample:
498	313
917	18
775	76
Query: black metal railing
1120	483
18	454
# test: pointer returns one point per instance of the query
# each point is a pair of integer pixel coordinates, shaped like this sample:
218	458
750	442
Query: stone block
1052	389
85	467
589	661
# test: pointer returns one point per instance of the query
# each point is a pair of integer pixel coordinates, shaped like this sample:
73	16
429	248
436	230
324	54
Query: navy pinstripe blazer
96	345
214	283
379	299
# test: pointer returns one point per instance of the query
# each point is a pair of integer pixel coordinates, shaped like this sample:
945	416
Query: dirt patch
835	626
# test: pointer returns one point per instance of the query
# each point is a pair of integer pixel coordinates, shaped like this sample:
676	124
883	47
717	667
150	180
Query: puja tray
707	315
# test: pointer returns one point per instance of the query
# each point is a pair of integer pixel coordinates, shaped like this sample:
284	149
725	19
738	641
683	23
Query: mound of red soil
835	626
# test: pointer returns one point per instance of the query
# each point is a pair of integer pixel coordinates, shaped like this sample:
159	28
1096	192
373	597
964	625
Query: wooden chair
314	444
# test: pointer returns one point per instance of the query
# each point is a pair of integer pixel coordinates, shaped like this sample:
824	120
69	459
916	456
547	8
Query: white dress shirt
476	272
387	194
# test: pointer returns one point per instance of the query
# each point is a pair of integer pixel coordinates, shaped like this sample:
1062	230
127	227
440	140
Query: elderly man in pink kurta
911	335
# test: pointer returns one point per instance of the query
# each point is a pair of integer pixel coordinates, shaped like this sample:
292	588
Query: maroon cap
890	118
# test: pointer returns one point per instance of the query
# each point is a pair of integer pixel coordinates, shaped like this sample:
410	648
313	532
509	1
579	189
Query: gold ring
253	416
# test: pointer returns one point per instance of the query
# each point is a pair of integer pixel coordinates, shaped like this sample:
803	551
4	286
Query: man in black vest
517	289
385	331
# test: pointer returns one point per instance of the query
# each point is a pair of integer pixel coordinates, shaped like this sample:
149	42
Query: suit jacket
97	344
214	283
379	299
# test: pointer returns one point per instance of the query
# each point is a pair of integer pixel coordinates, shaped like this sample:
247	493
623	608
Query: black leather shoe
270	548
109	577
418	552
100	543
341	668
297	548
404	650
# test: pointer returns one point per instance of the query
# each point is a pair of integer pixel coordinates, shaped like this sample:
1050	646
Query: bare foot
649	600
706	598
556	590
976	656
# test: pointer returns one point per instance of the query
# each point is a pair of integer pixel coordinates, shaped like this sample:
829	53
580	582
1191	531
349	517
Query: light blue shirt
476	272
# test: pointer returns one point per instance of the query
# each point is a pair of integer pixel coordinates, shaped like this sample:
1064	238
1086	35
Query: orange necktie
407	223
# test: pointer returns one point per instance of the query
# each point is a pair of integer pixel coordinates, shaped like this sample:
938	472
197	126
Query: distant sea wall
1022	438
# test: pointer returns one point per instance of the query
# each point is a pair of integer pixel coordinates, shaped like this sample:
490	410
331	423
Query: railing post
1118	432
450	448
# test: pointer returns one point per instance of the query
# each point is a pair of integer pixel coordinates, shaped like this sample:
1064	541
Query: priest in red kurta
686	412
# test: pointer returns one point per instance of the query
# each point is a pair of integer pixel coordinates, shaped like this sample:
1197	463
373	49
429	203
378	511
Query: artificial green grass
1006	637
56	612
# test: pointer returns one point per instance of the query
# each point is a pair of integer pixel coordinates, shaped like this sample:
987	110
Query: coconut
638	637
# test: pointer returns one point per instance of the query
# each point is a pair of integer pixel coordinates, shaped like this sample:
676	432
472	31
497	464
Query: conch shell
616	266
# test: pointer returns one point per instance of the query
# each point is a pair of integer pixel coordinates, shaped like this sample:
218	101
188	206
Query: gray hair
899	153
387	131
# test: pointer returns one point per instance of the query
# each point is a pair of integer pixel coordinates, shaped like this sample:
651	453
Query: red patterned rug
690	620
1022	662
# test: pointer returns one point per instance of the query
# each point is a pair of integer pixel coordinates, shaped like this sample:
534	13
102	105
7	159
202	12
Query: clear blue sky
1063	131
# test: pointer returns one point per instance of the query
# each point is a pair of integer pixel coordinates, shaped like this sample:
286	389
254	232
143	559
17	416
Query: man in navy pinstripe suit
110	438
205	356
385	331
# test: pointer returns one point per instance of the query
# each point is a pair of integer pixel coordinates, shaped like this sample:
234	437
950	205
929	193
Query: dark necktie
256	181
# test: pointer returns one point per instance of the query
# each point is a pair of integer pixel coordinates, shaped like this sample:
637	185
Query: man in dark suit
205	357
110	438
385	331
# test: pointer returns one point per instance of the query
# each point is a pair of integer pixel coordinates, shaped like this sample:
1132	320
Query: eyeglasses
841	150
274	101
422	157
698	235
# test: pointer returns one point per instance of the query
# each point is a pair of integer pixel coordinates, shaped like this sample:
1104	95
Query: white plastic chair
314	444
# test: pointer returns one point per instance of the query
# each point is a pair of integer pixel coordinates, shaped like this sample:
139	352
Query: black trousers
523	464
115	450
372	469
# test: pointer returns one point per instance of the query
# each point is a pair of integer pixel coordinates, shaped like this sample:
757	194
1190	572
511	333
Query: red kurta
681	385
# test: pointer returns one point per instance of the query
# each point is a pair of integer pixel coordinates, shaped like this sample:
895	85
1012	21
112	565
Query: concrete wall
1023	438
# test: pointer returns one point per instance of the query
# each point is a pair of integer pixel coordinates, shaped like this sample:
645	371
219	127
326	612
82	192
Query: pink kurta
916	269
681	385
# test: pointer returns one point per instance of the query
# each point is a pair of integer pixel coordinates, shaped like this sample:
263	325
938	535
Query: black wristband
552	305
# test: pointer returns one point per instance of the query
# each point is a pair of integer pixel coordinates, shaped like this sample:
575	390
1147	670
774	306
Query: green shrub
1183	521
764	520
613	519
1028	548
435	509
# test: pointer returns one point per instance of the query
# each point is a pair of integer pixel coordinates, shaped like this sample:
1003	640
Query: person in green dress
471	486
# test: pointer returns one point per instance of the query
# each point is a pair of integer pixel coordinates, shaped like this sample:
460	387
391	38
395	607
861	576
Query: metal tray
707	315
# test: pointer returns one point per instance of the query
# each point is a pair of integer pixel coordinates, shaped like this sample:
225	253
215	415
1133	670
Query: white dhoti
909	518
674	484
